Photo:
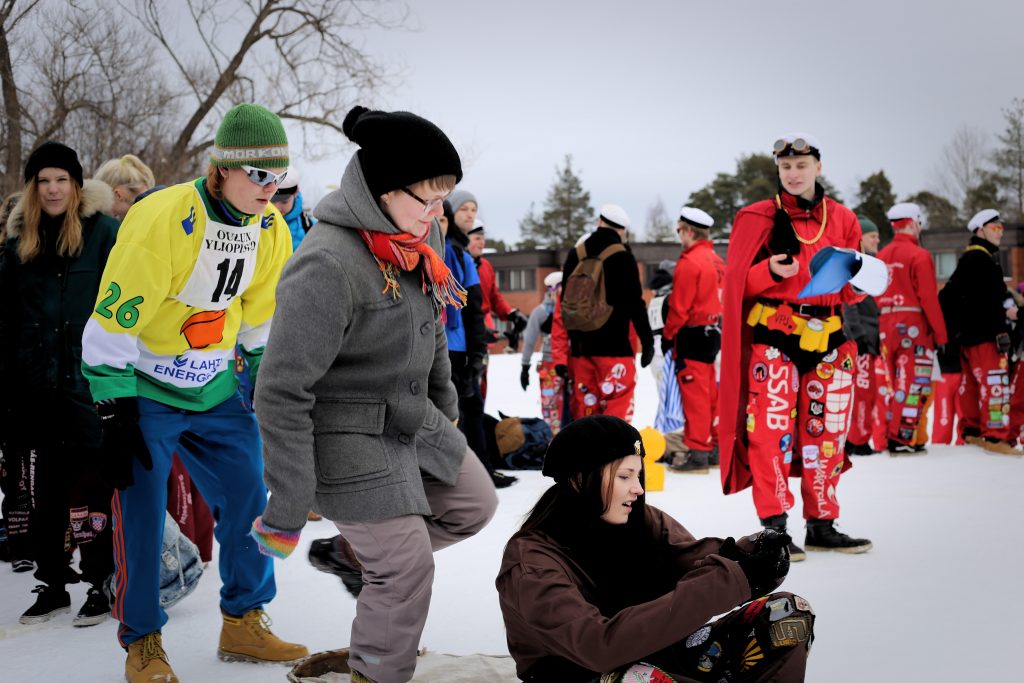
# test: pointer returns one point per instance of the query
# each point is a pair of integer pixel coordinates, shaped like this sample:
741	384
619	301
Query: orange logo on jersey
204	328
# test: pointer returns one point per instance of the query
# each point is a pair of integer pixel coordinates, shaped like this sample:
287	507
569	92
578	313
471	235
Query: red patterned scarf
403	251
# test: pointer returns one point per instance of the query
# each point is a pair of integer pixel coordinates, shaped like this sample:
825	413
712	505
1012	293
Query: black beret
53	155
589	443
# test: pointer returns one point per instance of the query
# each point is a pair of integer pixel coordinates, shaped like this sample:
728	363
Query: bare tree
961	166
12	13
301	58
659	226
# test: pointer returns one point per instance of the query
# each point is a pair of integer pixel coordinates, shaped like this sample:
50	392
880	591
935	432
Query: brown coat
544	600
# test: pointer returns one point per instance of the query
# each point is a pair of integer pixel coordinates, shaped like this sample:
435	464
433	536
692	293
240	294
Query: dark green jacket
43	309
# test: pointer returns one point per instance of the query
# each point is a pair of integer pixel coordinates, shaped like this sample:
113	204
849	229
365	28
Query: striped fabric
670	410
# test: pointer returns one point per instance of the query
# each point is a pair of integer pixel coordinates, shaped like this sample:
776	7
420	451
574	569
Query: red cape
750	232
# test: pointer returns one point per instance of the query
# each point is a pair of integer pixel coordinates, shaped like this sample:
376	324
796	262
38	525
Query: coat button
404	438
425	327
414	387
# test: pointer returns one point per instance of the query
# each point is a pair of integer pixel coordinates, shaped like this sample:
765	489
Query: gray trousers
398	570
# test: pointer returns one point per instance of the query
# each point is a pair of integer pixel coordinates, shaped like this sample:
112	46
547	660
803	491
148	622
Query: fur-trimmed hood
97	197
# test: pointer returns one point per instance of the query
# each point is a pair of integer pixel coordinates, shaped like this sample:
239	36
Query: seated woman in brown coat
596	583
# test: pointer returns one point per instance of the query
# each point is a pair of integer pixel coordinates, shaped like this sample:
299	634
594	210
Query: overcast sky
653	98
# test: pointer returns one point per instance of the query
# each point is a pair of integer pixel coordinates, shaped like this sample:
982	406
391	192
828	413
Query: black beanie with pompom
398	149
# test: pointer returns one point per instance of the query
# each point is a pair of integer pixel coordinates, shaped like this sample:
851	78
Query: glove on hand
562	371
524	377
273	542
666	344
122	441
646	355
519	320
766	565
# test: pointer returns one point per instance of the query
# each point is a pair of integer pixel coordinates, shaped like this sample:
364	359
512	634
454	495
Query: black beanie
53	155
399	149
589	443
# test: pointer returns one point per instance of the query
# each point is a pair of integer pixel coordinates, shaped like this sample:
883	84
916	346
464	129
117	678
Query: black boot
50	601
713	458
335	556
859	449
778	523
693	462
823	535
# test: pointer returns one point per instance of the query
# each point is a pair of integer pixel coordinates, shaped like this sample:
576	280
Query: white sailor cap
478	226
698	218
553	279
615	216
903	211
983	218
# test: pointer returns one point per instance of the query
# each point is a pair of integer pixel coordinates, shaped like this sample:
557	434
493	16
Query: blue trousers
222	451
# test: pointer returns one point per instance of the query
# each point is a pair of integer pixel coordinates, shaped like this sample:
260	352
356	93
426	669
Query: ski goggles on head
794	147
262	177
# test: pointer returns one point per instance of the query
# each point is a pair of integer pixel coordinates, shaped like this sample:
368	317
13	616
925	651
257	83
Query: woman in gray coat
355	400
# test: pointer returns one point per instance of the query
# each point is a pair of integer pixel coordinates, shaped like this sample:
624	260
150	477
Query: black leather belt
806	310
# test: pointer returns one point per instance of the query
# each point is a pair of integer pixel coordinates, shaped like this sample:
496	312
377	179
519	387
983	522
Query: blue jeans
222	451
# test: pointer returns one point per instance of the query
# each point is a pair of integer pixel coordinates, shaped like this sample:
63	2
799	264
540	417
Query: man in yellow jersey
192	274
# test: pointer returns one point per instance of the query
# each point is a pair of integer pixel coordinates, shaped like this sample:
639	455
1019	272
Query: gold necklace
824	221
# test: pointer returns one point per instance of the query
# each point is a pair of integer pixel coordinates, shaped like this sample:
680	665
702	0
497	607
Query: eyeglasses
261	177
799	145
428	204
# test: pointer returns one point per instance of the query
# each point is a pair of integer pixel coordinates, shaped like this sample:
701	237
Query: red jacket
696	297
747	278
912	283
493	301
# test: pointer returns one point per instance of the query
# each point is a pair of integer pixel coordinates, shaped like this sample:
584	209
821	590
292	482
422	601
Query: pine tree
659	226
1009	159
939	211
567	212
876	197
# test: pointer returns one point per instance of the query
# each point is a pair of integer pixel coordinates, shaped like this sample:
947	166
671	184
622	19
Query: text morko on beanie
399	149
250	135
53	155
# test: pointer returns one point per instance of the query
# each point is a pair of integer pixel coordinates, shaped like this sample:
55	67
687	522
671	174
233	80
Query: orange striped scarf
403	251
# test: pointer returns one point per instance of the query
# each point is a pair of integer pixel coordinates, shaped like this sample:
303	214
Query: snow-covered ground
936	600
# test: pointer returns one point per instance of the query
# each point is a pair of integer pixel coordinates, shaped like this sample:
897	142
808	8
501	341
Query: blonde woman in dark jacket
597	583
355	400
57	246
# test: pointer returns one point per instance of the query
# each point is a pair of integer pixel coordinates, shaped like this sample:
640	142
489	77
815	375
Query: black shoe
896	448
692	462
503	481
860	449
778	523
49	603
21	566
713	457
335	556
921	449
95	610
822	535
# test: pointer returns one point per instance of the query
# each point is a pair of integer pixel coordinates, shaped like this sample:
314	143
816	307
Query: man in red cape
787	369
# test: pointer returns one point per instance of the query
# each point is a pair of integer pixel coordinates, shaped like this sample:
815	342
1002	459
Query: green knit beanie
866	224
250	135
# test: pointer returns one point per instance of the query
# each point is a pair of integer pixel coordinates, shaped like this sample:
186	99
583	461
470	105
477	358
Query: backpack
522	441
584	304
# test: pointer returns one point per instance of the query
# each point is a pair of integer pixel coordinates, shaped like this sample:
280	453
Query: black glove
122	441
474	373
562	371
666	344
491	336
524	377
518	320
766	565
647	355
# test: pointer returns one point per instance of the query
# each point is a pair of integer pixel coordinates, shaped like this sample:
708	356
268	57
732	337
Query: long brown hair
30	243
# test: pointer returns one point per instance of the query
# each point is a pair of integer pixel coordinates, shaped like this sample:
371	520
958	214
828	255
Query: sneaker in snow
896	448
502	481
822	535
49	603
95	610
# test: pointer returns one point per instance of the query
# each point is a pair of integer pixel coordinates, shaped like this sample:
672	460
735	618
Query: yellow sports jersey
180	289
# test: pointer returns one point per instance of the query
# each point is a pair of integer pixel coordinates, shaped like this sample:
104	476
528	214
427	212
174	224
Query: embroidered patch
802	604
815	389
785	442
708	659
752	655
790	631
815	427
759	372
771	353
698	637
779	609
831	356
98	521
825	370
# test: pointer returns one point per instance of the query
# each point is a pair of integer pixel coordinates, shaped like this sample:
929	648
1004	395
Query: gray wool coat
354	396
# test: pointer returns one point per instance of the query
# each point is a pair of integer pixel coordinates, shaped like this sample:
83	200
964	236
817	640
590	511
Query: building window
945	264
517	280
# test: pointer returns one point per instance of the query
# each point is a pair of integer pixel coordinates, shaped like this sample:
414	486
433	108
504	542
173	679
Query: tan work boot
147	661
248	639
973	440
1001	447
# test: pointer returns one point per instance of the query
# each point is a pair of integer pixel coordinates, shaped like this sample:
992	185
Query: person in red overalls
787	368
693	334
912	326
860	324
979	309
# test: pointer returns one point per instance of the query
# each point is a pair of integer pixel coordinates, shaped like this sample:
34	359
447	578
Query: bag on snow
522	441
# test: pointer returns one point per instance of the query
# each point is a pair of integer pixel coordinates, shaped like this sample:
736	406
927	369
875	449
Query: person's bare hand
783	270
1011	313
